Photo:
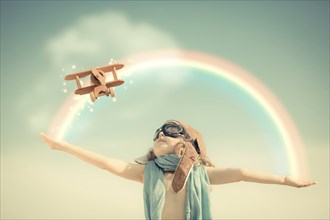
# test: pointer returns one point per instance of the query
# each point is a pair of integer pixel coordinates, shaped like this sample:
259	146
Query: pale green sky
285	44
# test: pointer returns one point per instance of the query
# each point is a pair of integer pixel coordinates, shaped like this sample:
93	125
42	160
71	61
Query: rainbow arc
248	84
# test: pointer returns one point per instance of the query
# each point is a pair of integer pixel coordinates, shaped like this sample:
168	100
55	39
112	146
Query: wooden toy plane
98	86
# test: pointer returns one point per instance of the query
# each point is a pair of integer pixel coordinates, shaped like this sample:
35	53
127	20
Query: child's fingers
312	183
44	137
308	183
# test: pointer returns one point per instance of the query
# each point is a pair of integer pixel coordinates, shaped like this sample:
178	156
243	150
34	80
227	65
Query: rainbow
246	82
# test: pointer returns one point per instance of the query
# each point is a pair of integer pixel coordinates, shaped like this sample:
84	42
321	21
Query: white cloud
99	37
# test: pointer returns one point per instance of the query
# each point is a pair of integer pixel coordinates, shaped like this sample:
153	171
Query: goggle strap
197	146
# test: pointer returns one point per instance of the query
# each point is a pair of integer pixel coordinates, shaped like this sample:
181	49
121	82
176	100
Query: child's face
165	144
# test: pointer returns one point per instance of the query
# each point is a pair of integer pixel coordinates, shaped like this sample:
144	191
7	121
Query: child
176	173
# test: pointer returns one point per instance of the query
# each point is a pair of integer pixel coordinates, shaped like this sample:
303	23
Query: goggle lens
171	130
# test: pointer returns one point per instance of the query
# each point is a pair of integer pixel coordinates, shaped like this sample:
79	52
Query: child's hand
55	145
291	181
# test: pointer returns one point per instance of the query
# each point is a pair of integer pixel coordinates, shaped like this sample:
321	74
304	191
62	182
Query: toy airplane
98	86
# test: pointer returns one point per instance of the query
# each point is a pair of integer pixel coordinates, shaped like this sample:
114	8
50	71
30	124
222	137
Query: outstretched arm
231	175
117	167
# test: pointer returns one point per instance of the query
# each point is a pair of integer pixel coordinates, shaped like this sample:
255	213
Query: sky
283	44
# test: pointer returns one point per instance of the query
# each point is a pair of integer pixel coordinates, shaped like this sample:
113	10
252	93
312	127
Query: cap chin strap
186	163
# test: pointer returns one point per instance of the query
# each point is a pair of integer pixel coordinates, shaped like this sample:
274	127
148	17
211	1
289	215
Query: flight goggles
174	129
171	129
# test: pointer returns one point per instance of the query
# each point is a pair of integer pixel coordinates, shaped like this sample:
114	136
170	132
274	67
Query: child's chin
161	152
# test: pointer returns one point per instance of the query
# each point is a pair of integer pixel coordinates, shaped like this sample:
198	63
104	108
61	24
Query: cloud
98	37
